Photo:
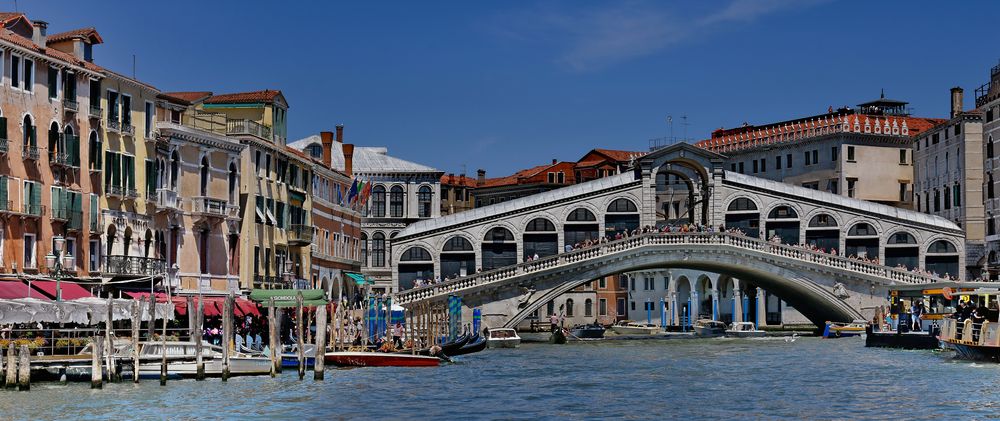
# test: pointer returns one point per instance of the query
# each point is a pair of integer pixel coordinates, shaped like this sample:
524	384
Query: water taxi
503	337
626	327
592	331
843	330
706	328
744	330
181	360
379	359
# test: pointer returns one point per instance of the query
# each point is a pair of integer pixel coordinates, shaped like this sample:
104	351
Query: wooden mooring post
109	345
300	340
227	335
136	320
199	330
272	338
11	380
24	369
163	340
96	372
318	364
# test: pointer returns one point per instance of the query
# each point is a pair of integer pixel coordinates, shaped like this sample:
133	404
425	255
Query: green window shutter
53	82
36	195
107	169
149	176
93	212
55	197
3	193
131	172
74	150
32	136
3	127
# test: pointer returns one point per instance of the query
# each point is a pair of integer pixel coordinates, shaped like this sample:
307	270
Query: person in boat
553	322
915	311
397	335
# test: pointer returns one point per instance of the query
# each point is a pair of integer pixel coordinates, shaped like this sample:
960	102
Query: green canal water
810	378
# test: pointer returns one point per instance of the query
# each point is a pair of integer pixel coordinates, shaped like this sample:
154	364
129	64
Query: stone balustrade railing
662	239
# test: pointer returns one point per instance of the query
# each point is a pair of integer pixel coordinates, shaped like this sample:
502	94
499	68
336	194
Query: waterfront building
457	193
523	183
401	192
988	103
948	182
336	246
599	163
50	181
194	182
863	153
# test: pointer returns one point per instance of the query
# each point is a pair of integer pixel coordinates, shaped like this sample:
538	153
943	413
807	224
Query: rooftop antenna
684	124
15	6
463	169
133	67
670	122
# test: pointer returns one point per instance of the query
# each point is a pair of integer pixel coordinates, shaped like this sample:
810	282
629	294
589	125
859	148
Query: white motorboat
181	361
706	328
744	330
626	327
503	337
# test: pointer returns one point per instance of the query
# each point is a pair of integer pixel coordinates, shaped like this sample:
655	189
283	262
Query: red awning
247	307
70	290
17	289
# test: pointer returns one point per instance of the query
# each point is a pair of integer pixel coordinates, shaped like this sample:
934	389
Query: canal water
810	378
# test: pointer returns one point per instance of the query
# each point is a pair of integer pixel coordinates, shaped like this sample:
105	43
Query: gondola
558	336
446	349
476	343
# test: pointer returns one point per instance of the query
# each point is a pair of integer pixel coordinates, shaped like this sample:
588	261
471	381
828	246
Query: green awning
286	297
296	196
357	277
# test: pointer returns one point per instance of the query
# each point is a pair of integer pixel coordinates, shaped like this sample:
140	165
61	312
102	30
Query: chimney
38	33
553	161
348	159
78	48
956	101
451	179
327	139
340	133
480	177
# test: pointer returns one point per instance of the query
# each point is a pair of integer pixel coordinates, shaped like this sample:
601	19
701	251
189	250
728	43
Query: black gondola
476	344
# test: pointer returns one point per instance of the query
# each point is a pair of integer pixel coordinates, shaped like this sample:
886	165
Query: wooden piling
227	335
192	317
272	332
163	341
299	321
96	372
318	365
109	345
136	319
198	345
152	317
24	369
309	322
11	380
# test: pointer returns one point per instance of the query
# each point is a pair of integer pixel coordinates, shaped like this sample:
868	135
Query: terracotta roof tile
620	155
9	16
9	36
188	96
457	180
265	96
89	33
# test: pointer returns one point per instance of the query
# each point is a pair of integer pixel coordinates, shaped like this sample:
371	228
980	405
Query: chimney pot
39	28
349	159
327	139
956	101
340	133
553	161
480	177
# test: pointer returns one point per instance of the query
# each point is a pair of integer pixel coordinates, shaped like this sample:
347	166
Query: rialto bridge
481	255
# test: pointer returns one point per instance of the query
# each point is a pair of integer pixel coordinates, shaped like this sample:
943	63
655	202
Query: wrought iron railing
131	193
70	105
61	214
128	129
113	124
95	111
717	240
30	152
33	209
114	190
4	144
268	282
133	266
248	127
302	234
59	158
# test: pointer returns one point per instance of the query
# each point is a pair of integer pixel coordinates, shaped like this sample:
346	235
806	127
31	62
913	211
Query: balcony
60	214
59	159
131	194
166	200
30	152
74	221
4	145
133	266
207	206
233	211
268	282
248	127
70	105
113	190
8	207
127	129
300	235
95	111
33	209
113	124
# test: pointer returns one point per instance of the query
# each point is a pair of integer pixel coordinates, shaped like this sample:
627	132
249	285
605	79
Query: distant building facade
988	103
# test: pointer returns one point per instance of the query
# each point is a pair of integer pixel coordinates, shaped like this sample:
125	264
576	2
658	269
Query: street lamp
57	261
288	276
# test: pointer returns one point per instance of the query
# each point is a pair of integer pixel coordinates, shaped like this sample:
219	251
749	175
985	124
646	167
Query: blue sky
509	85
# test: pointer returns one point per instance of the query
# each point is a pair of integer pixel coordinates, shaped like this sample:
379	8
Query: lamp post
57	261
288	276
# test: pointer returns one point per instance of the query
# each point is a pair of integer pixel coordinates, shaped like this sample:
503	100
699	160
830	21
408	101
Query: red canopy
17	289
70	290
213	304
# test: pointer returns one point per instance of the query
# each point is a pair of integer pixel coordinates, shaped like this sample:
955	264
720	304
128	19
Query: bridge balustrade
626	244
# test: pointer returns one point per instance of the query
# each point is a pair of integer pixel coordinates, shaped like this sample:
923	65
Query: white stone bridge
479	251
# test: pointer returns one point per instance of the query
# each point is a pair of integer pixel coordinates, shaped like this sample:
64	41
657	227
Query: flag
340	197
353	192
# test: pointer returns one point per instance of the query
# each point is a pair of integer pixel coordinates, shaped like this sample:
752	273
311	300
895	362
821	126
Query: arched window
396	202
782	212
458	259
233	180
424	202
55	139
942	259
588	307
941	246
742	204
175	167
569	307
499	248
901	237
499	235
364	249
378	202
822	221
204	176
581	215
29	138
540	225
862	229
457	244
378	250
622	205
415	254
112	233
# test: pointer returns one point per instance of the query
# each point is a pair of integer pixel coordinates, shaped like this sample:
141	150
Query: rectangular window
29	75
15	71
741	168
833	153
552	178
257	162
602	306
70	250
69	86
777	162
602	283
256	260
902	192
935	138
561	177
53	82
815	156
95	256
850	154
851	187
29	251
754	166
788	161
112	106
267	165
126	110
732	167
902	156
834	188
763	165
148	120
621	307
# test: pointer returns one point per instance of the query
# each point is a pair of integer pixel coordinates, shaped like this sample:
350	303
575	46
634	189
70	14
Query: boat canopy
286	297
358	278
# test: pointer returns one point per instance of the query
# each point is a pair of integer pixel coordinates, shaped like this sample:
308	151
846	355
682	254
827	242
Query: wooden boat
843	330
503	337
744	330
291	357
592	331
706	328
626	327
972	341
558	336
379	359
476	343
181	361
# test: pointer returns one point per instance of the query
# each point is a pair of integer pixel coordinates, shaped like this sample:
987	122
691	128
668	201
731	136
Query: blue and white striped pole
663	315
649	312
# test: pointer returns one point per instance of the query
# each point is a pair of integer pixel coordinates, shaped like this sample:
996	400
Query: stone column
693	314
761	307
715	302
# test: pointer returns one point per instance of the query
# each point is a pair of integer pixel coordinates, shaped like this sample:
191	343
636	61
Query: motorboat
744	330
843	330
503	337
181	360
970	340
290	358
626	327
379	359
591	331
706	328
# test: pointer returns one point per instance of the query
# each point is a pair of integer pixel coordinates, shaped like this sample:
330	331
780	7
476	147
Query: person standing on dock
397	335
915	310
